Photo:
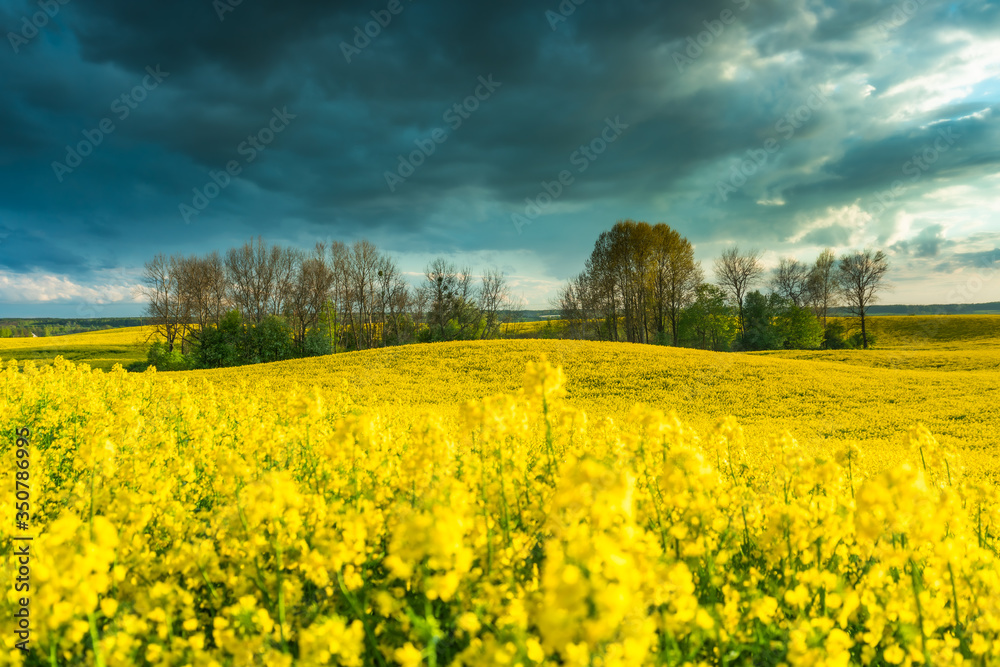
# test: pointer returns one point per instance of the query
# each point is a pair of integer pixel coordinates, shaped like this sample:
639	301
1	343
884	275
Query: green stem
920	611
548	439
93	470
98	658
360	615
954	597
850	472
204	575
486	513
281	599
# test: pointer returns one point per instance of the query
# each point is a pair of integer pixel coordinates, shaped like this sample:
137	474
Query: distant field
550	328
918	342
99	349
821	402
938	332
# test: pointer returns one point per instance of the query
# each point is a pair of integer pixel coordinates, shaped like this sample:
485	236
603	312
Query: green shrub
166	360
834	336
316	343
219	345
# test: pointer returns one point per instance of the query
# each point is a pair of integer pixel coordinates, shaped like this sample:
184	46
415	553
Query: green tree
761	328
317	343
270	340
822	284
708	322
835	335
800	328
674	279
736	271
219	346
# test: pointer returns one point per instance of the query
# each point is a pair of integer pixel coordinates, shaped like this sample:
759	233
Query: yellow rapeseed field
98	349
824	404
475	503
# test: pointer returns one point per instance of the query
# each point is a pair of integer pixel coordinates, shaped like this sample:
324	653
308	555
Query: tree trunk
864	334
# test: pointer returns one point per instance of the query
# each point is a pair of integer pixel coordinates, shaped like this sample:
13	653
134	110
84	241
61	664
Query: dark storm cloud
983	260
913	156
927	243
744	66
21	250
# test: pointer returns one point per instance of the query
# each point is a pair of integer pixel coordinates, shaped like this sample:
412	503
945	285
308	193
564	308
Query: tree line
641	284
263	302
49	326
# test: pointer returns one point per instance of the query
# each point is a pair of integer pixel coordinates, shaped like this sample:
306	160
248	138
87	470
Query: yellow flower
408	655
894	655
108	607
468	622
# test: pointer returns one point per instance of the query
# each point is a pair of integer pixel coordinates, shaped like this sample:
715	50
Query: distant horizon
5	317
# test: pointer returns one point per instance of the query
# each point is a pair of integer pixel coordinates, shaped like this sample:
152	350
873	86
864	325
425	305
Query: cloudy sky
507	134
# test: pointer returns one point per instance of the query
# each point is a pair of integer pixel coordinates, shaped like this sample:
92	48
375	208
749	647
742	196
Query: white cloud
852	219
953	80
50	288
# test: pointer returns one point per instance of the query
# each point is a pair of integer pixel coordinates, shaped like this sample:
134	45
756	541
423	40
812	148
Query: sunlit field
516	502
942	342
98	349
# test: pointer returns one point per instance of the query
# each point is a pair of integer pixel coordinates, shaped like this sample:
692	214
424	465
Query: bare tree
450	298
736	272
494	294
860	277
201	285
576	303
602	284
216	304
790	280
362	267
394	302
511	314
822	284
339	307
310	293
283	265
250	277
165	306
